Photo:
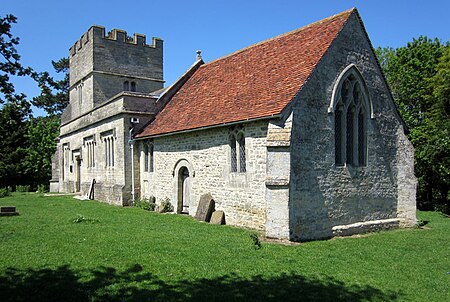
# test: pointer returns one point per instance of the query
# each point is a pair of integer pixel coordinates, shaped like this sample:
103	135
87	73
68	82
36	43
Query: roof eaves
273	116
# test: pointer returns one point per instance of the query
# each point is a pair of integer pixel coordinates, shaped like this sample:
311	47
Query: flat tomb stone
206	207
8	211
218	217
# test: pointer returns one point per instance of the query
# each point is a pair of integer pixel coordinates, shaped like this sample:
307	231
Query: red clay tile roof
255	82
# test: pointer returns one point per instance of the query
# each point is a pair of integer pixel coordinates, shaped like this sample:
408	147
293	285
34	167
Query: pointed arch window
126	86
351	106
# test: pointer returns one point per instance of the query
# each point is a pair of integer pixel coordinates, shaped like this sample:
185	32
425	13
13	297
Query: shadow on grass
107	284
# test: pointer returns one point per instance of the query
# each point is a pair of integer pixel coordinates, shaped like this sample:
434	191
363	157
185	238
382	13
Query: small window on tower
133	86
126	86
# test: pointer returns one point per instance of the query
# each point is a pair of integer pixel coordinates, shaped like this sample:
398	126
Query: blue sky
48	28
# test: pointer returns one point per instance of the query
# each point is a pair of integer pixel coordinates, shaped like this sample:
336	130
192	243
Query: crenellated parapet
98	32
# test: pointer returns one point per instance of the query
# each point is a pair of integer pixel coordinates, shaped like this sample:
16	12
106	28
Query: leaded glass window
349	142
237	150
242	163
146	155
350	121
361	139
233	154
339	138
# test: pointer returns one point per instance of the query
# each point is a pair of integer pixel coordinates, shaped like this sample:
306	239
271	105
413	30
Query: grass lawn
128	254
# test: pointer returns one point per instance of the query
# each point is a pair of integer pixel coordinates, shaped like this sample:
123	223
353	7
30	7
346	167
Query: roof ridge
224	91
349	12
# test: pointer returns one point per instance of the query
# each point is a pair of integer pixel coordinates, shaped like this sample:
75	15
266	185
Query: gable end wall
325	198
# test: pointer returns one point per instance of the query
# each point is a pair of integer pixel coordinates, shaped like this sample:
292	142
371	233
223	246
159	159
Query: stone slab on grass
8	211
218	217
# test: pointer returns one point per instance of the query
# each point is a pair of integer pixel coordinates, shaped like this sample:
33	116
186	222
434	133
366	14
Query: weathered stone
218	217
205	208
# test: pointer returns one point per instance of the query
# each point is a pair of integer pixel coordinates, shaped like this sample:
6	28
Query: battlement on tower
95	33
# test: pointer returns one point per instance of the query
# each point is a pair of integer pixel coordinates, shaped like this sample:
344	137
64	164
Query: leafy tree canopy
419	76
10	62
54	95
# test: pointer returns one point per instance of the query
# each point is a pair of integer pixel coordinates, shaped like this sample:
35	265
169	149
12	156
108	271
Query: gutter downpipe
131	142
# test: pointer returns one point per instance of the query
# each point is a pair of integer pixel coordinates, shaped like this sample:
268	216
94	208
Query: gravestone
205	208
218	217
8	211
91	189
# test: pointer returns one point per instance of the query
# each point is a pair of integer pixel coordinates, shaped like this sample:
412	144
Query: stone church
297	136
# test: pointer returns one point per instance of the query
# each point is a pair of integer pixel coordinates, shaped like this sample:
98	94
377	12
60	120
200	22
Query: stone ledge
277	181
280	143
366	226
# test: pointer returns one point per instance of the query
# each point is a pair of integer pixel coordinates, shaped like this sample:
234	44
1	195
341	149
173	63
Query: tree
41	137
13	145
9	62
419	77
15	109
437	133
407	70
54	96
27	143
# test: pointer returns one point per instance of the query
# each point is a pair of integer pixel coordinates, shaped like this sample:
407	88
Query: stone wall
107	178
323	195
113	183
206	154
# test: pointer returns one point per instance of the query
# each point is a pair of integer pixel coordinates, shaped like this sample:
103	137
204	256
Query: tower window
126	86
80	93
133	86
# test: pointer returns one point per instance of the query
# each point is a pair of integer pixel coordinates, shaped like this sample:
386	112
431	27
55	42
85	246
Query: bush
42	189
443	208
83	219
146	204
166	206
256	241
5	192
20	188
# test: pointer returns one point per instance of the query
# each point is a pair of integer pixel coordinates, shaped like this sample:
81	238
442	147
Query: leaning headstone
91	189
218	217
205	208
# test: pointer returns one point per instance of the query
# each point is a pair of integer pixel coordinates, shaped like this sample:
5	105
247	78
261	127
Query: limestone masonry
297	136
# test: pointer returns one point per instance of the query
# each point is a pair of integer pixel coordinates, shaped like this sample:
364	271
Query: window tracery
351	110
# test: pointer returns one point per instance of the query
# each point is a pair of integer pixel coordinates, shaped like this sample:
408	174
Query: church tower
102	66
115	81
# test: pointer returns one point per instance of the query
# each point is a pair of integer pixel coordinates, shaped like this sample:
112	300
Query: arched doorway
183	190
